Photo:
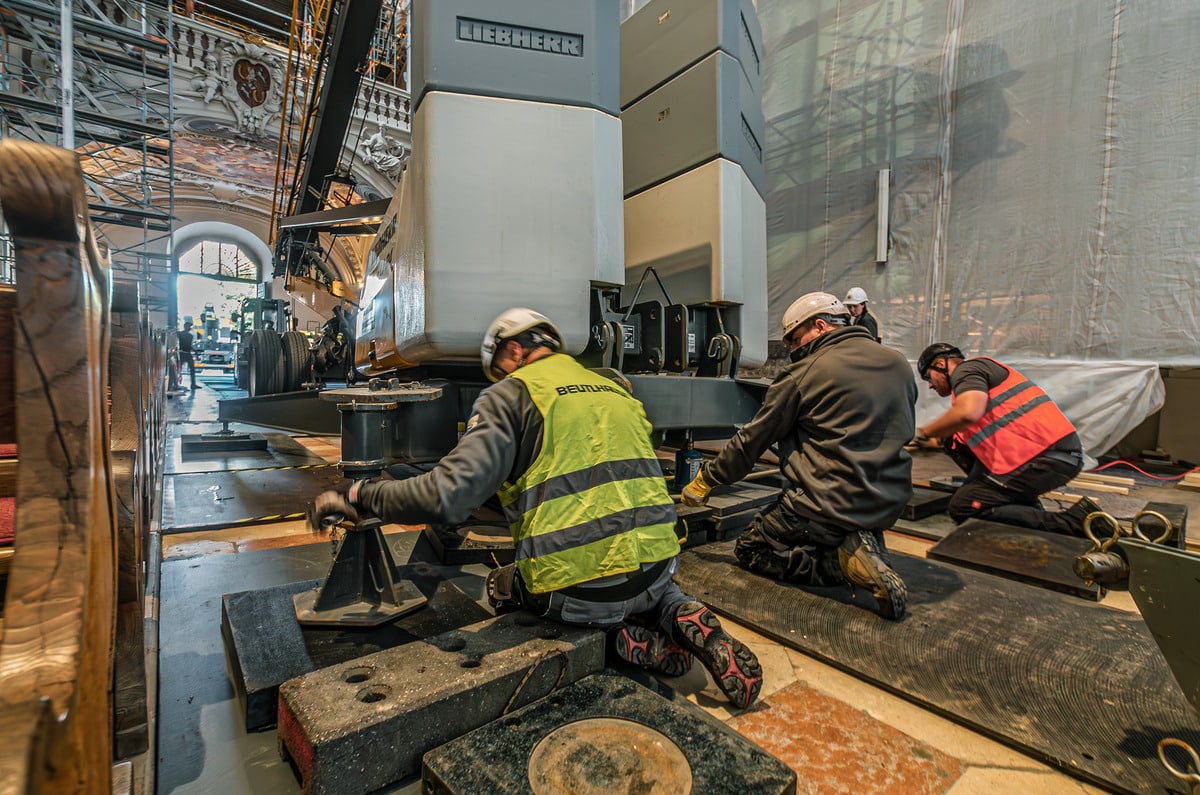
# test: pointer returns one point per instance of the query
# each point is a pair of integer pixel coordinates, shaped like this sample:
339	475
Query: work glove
921	439
331	508
695	494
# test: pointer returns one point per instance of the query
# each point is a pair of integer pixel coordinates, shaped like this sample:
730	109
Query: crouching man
568	453
841	413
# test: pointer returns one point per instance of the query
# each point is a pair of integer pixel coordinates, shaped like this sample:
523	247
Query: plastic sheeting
1044	161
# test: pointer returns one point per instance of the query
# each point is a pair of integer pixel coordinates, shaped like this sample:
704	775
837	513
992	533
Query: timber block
693	525
464	544
604	734
926	502
362	725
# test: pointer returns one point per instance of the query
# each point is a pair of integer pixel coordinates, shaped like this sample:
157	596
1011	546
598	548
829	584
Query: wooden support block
1097	486
8	404
8	477
1113	479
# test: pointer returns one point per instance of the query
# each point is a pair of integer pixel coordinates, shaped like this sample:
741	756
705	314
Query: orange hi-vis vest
1020	423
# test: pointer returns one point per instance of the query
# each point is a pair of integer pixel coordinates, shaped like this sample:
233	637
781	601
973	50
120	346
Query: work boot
734	668
651	649
864	562
1079	512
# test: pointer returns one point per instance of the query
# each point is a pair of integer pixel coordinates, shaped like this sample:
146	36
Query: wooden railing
60	609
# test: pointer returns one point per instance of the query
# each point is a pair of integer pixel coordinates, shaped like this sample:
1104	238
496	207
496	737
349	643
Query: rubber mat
1074	684
209	500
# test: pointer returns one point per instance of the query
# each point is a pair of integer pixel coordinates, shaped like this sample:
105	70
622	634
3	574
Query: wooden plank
59	609
1097	486
8	406
130	721
1115	480
8	476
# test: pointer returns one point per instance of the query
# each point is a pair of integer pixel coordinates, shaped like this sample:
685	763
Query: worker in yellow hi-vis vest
568	453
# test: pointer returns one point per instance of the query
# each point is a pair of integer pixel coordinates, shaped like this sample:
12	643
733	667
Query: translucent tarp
1045	164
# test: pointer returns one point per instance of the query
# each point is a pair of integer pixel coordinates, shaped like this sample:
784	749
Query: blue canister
687	466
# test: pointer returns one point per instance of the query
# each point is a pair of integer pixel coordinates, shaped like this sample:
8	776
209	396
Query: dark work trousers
656	606
786	546
186	358
1014	498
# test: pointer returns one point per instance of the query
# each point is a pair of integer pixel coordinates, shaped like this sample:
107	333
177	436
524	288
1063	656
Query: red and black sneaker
733	666
651	649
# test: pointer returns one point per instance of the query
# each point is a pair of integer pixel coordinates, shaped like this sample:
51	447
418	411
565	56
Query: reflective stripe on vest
1019	423
591	504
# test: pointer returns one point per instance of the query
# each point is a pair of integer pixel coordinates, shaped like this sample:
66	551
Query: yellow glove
695	494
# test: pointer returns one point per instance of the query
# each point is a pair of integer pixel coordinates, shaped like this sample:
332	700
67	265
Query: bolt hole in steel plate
601	756
373	693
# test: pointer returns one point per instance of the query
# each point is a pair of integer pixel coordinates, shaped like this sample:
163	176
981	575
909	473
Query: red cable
1123	463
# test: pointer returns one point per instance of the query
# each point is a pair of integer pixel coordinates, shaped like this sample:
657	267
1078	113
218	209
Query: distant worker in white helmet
568	453
841	414
856	301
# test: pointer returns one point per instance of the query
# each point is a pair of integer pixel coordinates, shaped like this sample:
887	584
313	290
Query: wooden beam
55	650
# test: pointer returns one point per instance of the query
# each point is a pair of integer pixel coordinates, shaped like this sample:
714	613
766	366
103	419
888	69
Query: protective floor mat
1076	685
208	500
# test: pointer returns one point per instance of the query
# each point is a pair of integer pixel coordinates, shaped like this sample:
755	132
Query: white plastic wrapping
1045	160
1098	397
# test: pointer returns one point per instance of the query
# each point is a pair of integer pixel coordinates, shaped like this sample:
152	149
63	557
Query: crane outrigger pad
1076	685
266	646
604	733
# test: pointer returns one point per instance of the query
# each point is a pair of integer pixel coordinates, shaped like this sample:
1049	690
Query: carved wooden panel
8	420
59	612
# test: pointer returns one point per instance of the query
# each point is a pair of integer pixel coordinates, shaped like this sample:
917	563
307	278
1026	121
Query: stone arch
187	236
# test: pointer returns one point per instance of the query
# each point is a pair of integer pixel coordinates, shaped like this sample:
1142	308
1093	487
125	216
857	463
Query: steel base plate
604	734
360	614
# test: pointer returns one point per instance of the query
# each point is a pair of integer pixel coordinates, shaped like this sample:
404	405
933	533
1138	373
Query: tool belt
635	584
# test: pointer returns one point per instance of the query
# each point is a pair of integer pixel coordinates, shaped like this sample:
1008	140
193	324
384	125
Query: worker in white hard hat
568	453
856	302
841	414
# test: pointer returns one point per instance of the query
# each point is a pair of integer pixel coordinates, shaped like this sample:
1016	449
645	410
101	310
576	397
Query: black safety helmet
938	350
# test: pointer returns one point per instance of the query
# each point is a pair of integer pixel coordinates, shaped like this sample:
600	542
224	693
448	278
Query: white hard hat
809	306
856	296
509	324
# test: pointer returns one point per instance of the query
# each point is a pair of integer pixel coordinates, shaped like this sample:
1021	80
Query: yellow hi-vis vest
594	502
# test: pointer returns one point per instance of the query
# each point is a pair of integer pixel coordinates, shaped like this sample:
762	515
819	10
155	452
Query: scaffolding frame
115	111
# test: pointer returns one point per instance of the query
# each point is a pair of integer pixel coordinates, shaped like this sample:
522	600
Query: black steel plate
211	500
1030	556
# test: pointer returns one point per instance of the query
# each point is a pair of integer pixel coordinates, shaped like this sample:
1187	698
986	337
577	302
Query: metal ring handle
1097	546
1182	775
1137	531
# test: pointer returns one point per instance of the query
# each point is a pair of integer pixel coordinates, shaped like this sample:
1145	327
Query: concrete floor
840	734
